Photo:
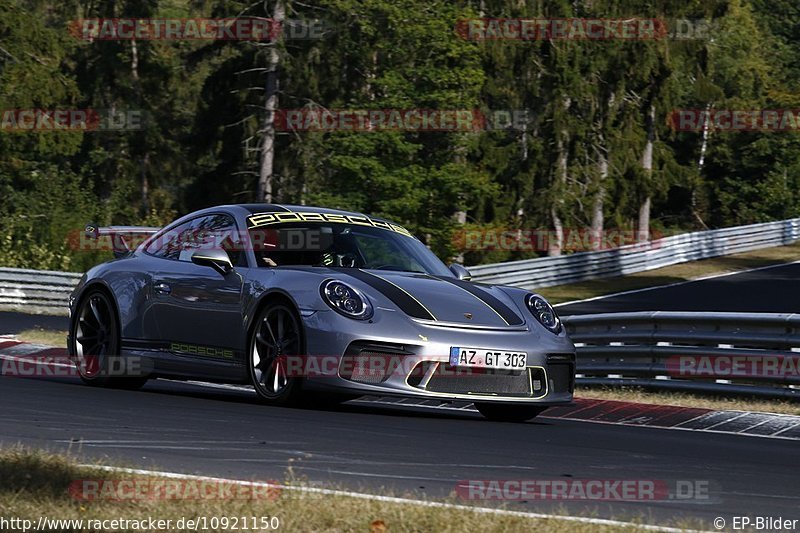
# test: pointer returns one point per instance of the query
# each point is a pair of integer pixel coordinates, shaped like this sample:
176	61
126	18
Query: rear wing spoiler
121	239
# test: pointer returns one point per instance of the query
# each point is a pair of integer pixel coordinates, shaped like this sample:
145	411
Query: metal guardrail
729	353
548	271
36	291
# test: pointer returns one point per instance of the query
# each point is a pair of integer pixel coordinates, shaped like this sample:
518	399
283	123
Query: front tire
509	413
276	335
95	343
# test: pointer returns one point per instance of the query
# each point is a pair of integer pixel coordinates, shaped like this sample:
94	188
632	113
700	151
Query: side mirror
215	258
460	272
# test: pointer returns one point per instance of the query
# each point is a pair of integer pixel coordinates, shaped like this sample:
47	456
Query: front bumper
414	360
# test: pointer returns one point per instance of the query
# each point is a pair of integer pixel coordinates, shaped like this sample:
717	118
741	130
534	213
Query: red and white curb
14	353
682	418
22	359
745	423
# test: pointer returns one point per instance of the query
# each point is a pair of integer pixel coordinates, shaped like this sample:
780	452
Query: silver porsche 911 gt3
302	301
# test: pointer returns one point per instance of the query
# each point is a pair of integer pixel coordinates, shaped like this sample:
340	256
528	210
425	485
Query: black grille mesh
452	380
369	367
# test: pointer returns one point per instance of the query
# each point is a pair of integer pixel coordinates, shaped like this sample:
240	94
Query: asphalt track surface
12	323
197	430
194	429
768	290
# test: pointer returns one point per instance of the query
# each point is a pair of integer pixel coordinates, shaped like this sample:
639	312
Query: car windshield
342	245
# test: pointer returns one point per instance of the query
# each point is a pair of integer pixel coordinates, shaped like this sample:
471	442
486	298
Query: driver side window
168	244
211	231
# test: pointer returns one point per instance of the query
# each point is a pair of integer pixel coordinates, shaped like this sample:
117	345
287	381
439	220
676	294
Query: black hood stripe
400	297
506	313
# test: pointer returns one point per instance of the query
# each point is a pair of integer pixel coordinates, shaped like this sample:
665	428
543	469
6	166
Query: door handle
162	288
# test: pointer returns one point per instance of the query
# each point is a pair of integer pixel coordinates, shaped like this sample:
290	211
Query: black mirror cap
460	272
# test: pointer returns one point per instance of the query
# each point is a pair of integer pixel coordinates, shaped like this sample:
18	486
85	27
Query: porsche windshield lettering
266	219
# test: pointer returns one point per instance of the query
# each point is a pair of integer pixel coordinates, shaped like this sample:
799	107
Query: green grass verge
684	399
672	274
37	484
44	336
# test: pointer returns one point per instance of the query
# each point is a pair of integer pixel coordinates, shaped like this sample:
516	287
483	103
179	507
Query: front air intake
561	369
367	367
370	363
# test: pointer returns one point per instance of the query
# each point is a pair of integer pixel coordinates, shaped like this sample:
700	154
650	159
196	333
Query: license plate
483	358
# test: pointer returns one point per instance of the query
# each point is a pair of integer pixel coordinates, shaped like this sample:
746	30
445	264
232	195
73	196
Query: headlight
346	300
544	312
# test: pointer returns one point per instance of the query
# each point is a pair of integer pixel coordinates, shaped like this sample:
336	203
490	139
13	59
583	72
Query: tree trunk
460	218
596	235
520	204
265	173
598	219
555	245
644	221
701	161
643	234
144	184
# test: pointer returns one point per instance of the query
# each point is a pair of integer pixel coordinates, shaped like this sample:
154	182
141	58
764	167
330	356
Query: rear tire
509	413
95	343
277	334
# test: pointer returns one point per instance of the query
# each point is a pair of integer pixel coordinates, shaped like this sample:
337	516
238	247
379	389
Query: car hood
441	299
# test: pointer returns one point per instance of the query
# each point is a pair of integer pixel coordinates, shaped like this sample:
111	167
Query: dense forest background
597	150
